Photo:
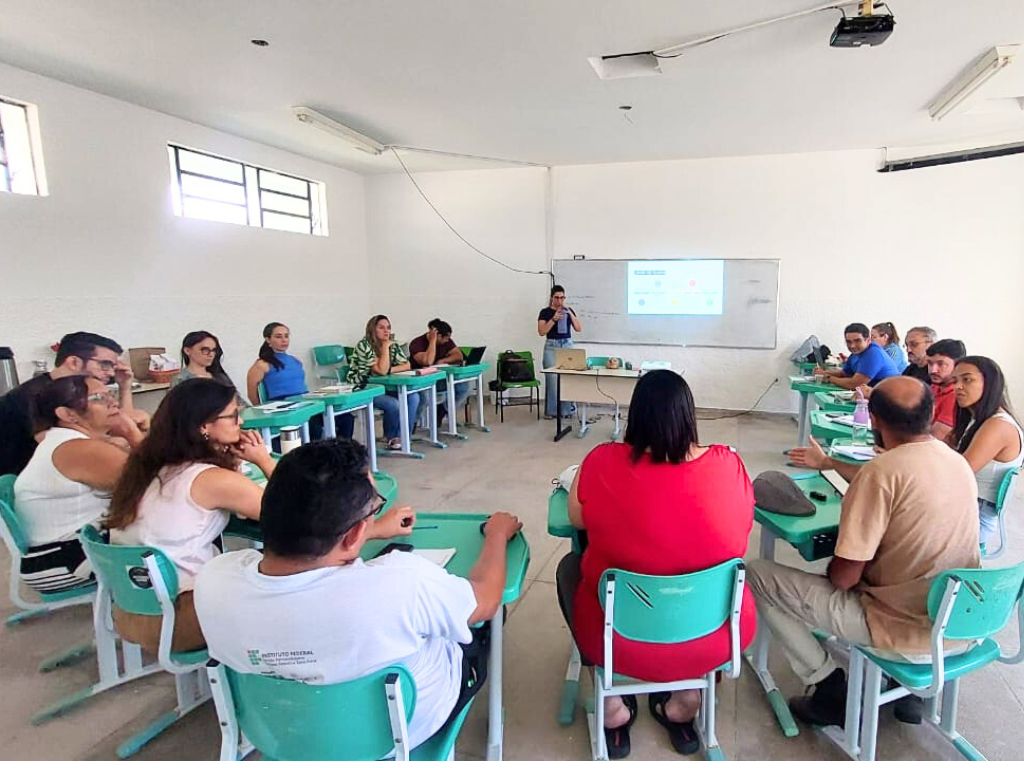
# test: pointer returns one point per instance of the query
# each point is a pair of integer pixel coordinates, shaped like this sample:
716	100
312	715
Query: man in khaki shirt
908	515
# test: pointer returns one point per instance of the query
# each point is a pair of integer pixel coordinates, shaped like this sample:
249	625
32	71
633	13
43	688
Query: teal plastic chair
364	719
138	580
964	604
533	385
1002	499
332	357
668	609
14	537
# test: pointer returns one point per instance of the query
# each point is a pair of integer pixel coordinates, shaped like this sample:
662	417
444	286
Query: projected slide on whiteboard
684	287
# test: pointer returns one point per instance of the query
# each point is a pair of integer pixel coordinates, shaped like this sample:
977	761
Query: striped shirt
363	356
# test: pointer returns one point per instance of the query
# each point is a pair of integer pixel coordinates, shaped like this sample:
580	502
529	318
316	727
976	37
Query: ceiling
510	78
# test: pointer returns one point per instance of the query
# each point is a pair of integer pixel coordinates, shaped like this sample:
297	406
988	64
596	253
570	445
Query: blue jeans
461	395
988	520
392	420
551	380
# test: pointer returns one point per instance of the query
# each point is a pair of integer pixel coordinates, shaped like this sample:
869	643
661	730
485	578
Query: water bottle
861	421
291	438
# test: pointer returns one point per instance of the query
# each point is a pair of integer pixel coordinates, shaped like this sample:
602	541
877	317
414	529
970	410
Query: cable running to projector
455	231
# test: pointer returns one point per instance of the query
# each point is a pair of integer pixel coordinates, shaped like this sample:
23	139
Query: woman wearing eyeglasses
201	355
67	482
178	491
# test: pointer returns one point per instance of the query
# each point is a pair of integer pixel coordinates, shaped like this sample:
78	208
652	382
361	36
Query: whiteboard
596	290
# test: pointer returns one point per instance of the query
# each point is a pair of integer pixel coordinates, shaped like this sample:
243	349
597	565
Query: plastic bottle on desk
861	421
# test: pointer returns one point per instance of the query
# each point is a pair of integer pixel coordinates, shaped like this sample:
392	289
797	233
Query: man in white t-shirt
309	608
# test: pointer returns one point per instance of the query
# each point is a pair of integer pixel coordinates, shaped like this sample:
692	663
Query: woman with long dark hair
283	375
201	356
661	504
178	490
67	482
985	431
378	354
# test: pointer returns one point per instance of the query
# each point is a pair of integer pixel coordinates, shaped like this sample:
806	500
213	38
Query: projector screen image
683	287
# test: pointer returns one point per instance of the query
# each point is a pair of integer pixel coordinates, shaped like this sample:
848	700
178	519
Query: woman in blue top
885	336
556	322
283	375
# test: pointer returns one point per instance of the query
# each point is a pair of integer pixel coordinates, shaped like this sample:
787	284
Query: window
21	158
215	188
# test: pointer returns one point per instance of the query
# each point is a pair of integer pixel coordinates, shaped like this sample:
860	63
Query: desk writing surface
598	372
410	380
797	530
460	372
827	429
800	384
254	418
341	400
831	402
461	530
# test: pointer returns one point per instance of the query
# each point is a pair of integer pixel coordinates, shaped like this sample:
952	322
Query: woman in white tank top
68	481
985	432
178	491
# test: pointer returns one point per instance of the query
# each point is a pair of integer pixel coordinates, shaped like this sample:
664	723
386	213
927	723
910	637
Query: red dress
663	520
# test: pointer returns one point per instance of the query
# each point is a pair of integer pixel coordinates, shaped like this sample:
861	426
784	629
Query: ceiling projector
855	31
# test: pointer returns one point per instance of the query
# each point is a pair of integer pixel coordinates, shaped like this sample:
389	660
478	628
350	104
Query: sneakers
909	709
826	706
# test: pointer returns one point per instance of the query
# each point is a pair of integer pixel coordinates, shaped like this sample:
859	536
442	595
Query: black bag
513	367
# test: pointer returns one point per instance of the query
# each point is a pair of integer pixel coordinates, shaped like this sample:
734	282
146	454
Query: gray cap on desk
776	492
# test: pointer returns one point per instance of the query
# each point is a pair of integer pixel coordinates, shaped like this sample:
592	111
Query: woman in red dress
660	504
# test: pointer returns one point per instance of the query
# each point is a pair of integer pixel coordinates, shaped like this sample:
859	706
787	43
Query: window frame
253	189
35	150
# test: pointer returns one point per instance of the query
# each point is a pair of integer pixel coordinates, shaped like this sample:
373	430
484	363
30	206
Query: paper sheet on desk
436	556
856	452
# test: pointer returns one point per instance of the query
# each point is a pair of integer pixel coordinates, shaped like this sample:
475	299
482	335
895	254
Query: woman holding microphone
557	322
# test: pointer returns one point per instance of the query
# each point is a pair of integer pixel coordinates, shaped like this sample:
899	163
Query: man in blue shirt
868	363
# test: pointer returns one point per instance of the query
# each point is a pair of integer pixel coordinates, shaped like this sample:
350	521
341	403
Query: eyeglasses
236	416
105	365
379	503
102	397
209	350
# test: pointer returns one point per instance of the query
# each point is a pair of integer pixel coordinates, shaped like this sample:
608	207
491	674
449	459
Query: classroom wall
420	270
104	251
941	247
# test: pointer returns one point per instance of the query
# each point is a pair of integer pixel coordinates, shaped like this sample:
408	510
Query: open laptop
571	359
476	354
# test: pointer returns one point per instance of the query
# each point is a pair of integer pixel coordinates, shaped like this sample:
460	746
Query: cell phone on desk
394	546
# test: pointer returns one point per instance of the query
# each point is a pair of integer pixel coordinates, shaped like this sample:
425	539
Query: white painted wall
420	270
104	252
942	247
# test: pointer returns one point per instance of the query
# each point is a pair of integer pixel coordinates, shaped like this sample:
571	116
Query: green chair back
465	350
348	352
1005	487
122	570
290	720
597	362
9	516
328	354
671	609
984	604
261	390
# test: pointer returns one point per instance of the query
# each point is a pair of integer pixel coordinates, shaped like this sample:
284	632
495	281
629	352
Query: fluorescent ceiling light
351	137
958	95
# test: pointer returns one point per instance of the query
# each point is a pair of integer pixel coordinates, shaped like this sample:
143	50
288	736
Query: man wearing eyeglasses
309	608
80	353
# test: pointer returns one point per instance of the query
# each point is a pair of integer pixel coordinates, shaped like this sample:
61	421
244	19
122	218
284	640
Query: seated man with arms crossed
310	609
78	354
867	364
435	347
908	515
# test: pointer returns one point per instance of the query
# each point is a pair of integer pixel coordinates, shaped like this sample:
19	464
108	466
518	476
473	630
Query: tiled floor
509	469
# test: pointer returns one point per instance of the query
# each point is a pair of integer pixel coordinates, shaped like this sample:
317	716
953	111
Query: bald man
908	515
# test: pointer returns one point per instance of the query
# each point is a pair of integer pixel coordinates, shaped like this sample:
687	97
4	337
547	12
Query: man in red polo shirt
942	358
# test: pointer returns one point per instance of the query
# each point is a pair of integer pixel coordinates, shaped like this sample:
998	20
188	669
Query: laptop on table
571	359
